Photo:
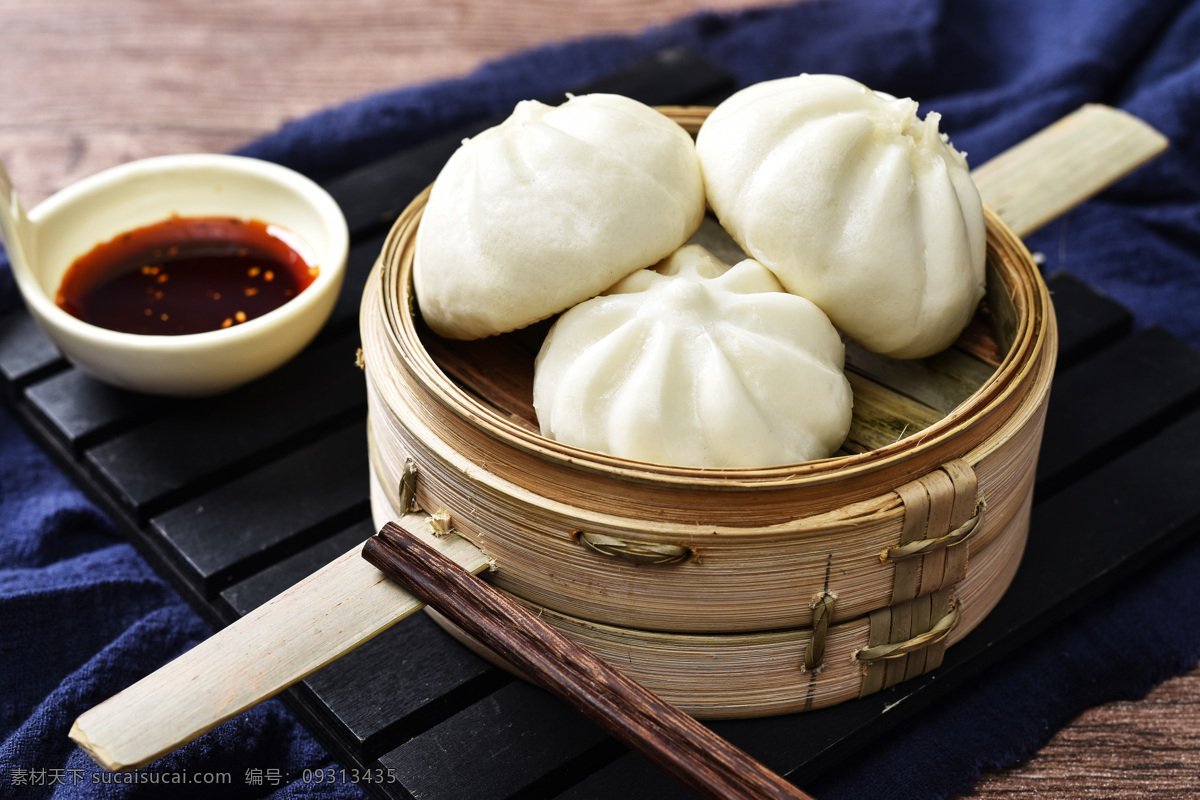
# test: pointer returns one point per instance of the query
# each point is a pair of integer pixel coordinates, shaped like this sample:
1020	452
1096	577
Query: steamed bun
853	202
695	363
550	208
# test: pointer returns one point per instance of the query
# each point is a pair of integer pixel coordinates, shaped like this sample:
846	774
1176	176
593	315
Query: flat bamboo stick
1058	168
320	619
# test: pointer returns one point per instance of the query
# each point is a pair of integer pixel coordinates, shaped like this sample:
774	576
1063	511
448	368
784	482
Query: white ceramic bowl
94	210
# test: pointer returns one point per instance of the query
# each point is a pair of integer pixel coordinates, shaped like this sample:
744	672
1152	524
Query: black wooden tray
233	499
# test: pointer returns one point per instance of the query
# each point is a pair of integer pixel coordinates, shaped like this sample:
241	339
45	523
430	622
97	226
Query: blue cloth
82	616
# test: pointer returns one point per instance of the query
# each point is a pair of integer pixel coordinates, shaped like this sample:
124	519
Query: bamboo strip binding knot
938	633
641	552
822	607
959	535
942	511
408	487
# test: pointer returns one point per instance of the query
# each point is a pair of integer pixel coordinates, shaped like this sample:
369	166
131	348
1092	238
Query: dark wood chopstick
693	754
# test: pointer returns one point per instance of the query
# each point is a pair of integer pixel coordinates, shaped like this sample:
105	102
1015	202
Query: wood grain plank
85	88
1132	748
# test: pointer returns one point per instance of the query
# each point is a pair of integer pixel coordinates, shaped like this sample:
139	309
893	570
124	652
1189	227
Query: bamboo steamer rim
1021	279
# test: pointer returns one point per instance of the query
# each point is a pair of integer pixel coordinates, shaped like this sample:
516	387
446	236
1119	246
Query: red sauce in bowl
186	275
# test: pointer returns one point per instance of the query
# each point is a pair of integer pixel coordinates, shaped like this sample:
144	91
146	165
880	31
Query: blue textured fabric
81	615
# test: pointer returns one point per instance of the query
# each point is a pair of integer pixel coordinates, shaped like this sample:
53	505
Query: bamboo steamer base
713	587
732	676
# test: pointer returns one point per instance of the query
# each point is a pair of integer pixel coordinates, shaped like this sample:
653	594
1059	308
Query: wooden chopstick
690	752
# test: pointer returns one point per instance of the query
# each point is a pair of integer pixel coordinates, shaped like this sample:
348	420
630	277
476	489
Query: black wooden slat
1087	320
361	259
372	197
244	526
495	748
82	410
169	458
1113	399
394	686
399	684
243	597
615	780
1120	515
25	352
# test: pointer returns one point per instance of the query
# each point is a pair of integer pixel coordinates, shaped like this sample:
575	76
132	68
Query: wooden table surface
84	86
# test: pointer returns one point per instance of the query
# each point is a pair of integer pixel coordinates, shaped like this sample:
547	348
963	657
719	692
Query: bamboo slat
320	619
1065	164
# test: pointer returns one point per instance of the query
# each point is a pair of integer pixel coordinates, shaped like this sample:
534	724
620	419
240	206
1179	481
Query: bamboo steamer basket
736	592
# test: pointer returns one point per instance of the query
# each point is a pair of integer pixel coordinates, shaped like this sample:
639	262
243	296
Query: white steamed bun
551	207
695	363
853	202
